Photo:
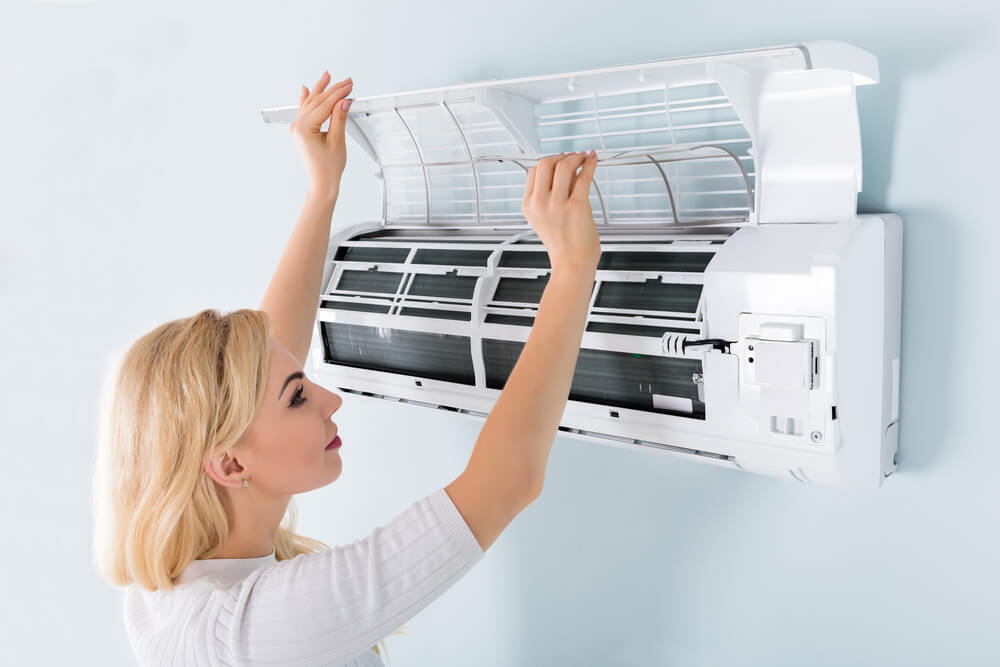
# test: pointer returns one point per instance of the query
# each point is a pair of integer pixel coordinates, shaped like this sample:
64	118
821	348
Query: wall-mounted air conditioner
743	314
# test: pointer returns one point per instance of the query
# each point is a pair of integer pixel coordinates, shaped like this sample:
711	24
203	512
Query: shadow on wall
928	387
928	391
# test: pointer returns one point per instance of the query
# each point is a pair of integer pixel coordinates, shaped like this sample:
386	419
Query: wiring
717	343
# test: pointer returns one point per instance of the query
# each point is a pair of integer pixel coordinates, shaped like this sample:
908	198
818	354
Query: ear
225	470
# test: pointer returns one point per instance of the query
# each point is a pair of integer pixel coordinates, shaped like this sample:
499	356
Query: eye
297	398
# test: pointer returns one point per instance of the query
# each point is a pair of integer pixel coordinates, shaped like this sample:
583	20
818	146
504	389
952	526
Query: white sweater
325	608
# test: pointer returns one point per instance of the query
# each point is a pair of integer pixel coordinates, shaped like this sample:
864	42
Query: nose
333	403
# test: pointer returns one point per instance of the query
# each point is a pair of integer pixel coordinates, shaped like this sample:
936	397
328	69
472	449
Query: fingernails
347	104
592	153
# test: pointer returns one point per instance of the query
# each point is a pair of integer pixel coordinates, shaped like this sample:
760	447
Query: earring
244	483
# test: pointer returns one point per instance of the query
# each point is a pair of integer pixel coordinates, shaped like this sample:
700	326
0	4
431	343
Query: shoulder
155	619
147	611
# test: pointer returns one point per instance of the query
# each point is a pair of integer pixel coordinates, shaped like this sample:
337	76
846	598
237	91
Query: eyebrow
293	376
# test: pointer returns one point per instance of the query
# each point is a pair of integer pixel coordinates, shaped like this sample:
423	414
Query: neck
254	518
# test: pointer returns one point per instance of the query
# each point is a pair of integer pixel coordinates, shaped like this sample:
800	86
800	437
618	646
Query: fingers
555	175
543	174
338	120
321	84
529	187
317	101
581	185
317	93
564	172
576	175
325	101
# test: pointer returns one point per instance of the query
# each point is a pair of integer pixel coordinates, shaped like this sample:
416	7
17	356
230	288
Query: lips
335	443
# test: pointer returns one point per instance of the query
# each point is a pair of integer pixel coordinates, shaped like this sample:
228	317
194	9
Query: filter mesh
381	280
674	154
610	378
423	355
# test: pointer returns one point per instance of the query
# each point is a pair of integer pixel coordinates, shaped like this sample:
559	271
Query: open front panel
674	154
757	136
689	183
460	308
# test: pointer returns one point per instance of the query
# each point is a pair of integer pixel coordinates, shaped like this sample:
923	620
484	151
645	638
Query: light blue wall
138	184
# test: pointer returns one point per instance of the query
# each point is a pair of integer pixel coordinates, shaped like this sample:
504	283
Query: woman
213	427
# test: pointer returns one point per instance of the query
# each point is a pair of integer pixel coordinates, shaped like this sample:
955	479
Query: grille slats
667	155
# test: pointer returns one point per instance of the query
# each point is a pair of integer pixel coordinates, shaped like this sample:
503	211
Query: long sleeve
325	607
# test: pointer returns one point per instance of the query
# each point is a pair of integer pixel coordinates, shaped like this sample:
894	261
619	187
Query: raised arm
292	296
507	466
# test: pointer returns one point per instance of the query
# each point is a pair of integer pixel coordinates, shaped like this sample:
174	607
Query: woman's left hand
324	153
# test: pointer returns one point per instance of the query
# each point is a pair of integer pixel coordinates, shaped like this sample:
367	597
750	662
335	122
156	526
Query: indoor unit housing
742	314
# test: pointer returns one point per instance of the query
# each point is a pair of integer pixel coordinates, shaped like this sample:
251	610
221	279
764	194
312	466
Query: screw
816	436
697	378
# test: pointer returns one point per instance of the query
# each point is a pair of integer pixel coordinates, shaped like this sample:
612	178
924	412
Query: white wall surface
138	184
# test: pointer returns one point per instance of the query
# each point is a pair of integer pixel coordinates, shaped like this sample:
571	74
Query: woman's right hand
557	205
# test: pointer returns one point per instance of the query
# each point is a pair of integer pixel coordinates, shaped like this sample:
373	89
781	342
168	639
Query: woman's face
284	450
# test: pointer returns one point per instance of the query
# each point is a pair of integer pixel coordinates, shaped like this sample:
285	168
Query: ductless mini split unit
743	314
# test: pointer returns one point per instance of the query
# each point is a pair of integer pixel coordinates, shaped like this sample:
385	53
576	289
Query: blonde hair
183	392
